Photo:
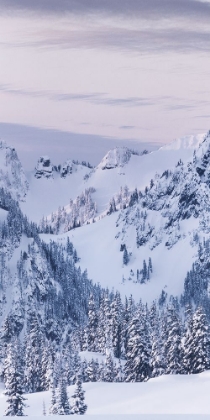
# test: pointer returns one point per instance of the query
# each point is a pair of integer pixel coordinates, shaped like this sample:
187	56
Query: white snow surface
46	195
98	247
163	398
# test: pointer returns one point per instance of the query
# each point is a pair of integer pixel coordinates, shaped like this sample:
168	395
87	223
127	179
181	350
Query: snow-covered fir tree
109	368
78	398
13	379
137	367
197	344
62	401
173	343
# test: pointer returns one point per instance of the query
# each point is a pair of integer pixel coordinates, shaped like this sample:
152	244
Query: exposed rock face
44	168
12	176
117	157
67	168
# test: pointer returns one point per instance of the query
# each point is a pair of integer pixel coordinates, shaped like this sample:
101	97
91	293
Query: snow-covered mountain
52	190
143	202
153	204
136	224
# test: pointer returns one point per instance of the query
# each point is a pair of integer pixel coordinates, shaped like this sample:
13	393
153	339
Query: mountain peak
202	158
44	168
117	157
12	176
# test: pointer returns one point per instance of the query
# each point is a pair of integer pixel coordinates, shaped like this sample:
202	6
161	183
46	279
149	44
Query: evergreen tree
125	256
157	362
133	198
91	371
78	404
116	320
109	374
53	405
62	402
46	366
188	347
144	272
44	409
137	367
197	344
13	377
101	372
92	325
119	372
112	207
150	265
128	312
33	356
173	343
70	363
84	366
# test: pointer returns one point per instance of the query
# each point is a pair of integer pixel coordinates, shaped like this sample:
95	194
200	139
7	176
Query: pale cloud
93	98
168	102
135	69
127	127
185	34
150	8
153	40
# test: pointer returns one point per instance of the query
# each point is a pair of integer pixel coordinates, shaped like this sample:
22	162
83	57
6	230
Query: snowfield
162	398
99	253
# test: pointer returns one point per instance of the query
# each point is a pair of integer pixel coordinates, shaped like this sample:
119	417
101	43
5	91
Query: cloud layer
152	40
119	68
152	8
93	98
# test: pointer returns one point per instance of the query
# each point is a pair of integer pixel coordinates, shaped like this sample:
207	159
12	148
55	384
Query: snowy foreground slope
167	395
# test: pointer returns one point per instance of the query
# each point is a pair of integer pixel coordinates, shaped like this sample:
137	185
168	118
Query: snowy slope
99	252
165	395
46	194
156	227
119	167
138	170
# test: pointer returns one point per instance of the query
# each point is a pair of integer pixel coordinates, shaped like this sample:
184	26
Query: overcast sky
133	70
